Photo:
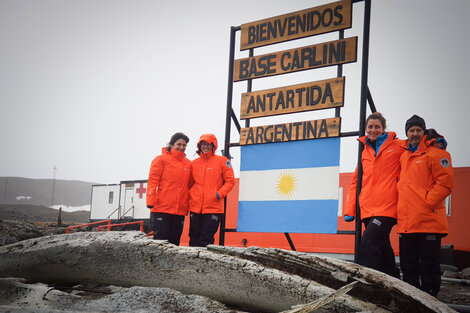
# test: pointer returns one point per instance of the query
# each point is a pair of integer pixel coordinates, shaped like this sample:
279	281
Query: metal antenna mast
53	186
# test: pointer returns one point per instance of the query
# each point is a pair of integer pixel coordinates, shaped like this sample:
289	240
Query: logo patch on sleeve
228	163
445	162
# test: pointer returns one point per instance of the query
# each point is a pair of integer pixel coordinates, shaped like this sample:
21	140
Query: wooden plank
309	22
315	56
310	96
315	129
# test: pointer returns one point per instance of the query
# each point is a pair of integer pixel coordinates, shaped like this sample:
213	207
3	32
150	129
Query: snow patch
72	208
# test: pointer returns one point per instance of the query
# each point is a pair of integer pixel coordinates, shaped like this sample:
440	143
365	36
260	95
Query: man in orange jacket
426	179
212	178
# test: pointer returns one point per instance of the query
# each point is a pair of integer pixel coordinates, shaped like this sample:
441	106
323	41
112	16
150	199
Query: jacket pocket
211	198
164	197
416	197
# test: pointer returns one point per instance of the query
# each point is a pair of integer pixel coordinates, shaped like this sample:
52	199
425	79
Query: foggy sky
97	87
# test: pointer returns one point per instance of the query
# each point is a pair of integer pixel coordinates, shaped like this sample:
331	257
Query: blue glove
348	218
217	194
442	141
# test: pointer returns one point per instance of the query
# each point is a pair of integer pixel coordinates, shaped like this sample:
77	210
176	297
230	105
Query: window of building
340	201
447	203
111	195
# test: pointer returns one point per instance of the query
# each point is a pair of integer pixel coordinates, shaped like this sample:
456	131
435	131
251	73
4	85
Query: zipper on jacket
180	187
203	181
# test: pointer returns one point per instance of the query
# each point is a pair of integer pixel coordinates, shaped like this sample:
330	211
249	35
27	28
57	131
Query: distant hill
19	190
34	213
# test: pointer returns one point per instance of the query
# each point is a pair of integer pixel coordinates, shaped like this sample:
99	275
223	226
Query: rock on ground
13	231
39	298
267	280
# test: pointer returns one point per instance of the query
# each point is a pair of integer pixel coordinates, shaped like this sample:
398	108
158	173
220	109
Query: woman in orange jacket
212	178
379	196
168	190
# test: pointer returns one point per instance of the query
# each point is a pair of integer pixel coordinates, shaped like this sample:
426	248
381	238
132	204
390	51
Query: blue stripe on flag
305	216
291	154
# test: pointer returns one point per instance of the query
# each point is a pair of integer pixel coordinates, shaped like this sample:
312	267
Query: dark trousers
202	228
420	261
375	250
167	227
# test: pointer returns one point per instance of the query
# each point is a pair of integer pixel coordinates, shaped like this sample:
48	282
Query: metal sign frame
364	99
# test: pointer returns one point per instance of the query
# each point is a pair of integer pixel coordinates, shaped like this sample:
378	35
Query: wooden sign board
315	129
319	20
304	58
311	96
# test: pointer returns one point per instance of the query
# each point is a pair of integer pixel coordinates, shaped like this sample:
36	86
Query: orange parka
426	179
379	195
168	183
211	175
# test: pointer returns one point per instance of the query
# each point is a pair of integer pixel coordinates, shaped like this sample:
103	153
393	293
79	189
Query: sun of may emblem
286	184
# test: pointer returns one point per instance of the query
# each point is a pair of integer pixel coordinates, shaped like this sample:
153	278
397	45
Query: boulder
267	280
13	231
16	296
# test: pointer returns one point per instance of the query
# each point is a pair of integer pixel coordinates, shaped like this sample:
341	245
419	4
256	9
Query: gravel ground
454	293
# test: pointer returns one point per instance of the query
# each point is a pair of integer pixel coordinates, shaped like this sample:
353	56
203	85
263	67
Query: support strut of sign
362	120
275	63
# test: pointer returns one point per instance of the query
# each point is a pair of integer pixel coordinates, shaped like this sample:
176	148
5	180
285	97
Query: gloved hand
348	218
217	194
150	206
442	142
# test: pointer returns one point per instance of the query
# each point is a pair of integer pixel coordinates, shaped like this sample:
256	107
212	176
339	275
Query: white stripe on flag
317	183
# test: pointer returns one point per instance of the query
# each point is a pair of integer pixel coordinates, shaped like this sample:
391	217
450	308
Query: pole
228	120
339	72
53	186
371	101
249	85
362	120
289	240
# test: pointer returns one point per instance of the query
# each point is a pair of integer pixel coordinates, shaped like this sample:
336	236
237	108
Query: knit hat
415	120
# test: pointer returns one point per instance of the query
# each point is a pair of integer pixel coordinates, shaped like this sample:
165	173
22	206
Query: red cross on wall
140	190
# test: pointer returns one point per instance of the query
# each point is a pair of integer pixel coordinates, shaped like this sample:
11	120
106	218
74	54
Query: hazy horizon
95	88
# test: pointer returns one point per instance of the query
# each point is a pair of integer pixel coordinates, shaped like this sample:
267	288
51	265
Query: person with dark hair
168	190
379	196
426	179
212	178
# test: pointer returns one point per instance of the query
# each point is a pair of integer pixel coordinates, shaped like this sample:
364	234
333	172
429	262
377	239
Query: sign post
362	121
308	96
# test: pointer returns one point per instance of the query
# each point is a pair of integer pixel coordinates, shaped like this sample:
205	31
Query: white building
119	202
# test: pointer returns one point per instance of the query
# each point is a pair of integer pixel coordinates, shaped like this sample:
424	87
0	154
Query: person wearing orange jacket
426	179
379	196
168	190
212	178
378	199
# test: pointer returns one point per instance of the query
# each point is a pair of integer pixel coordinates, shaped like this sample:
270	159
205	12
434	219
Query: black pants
202	228
375	250
420	261
167	227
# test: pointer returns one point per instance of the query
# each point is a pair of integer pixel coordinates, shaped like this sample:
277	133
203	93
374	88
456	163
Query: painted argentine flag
289	187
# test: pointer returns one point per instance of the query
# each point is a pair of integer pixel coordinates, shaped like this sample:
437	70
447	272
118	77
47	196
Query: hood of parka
209	138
